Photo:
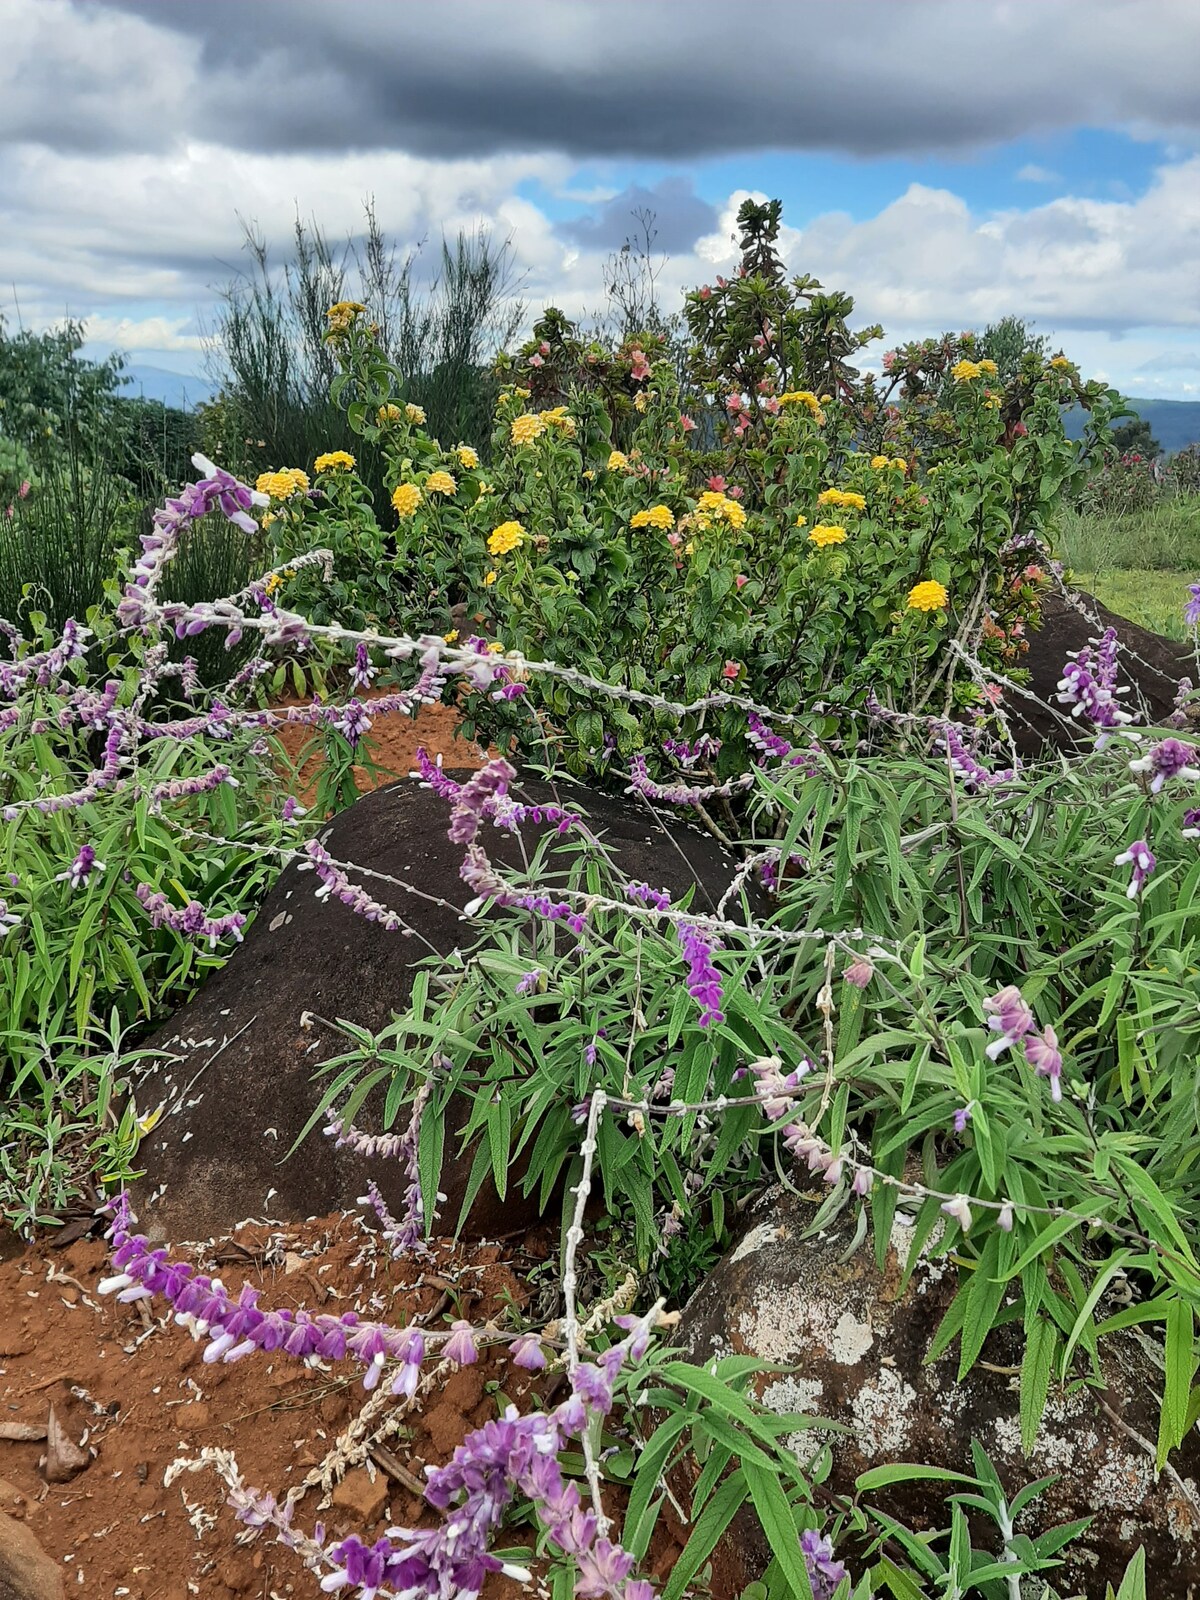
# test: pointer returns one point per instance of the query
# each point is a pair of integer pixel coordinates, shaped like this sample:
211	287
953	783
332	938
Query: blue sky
945	161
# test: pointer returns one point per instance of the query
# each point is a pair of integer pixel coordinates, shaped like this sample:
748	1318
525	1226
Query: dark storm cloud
679	217
611	78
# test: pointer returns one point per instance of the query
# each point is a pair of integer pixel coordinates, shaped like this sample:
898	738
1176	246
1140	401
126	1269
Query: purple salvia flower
354	723
1140	857
776	1089
1043	1055
526	1352
363	671
824	1573
191	919
1191	612
702	748
1010	1017
81	869
963	1115
859	973
642	894
8	920
1169	759
703	979
460	1347
470	801
528	984
1089	686
678	794
1183	693
960	1210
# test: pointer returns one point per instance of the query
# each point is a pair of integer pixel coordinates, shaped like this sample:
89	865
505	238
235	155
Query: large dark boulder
239	1084
855	1352
1150	665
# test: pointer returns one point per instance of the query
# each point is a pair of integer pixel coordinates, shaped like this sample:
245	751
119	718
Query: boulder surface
855	1348
239	1059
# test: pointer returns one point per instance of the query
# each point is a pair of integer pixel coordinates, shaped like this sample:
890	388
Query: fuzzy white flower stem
570	1280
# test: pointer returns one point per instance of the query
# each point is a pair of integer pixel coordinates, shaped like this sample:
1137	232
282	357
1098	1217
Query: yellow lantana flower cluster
279	485
526	428
341	315
842	497
505	538
618	461
964	371
1060	362
405	499
440	483
557	417
882	463
928	596
335	461
713	506
415	414
467	457
805	398
826	533
656	517
387	414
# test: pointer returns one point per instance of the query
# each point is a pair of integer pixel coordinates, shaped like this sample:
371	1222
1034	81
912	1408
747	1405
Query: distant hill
182	390
1174	423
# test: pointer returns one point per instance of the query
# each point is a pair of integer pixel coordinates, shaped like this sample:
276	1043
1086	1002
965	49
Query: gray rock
858	1352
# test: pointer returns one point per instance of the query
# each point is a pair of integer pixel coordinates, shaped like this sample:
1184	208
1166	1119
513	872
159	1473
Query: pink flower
993	692
889	360
741	580
772	406
736	492
765	385
23	491
544	348
733	402
743	425
1034	573
722	283
536	361
730	670
717	483
674	539
687	424
705	292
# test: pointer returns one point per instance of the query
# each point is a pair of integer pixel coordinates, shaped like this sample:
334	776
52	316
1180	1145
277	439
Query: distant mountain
1174	423
182	390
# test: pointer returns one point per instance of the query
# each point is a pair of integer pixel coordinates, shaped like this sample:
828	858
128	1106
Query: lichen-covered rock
240	1083
858	1351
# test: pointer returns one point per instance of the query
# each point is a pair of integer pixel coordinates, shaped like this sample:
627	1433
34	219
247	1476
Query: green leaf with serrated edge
1177	1386
907	1472
1036	1365
706	1530
779	1524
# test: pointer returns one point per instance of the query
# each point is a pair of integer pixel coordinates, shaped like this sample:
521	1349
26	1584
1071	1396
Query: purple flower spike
81	869
1191	612
824	1573
460	1347
527	1352
703	979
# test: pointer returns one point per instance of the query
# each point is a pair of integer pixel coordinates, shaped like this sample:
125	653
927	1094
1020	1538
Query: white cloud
143	334
1032	173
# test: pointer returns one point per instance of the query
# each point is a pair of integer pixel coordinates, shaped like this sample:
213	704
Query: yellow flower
268	518
334	461
992	403
964	371
505	538
272	582
900	464
451	636
689	549
467	457
1061	362
618	461
656	517
406	499
639	402
557	417
489	579
842	497
495	648
415	414
805	398
526	428
880	462
802	522
713	505
928	596
589	475
346	308
279	485
989	366
825	399
827	533
440	483
387	414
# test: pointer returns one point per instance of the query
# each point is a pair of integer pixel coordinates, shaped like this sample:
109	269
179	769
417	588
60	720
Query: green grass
1139	565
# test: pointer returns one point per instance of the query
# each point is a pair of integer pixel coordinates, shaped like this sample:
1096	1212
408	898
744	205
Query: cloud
157	334
594	78
1032	173
680	216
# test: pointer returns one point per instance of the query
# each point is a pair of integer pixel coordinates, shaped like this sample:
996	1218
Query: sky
946	162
